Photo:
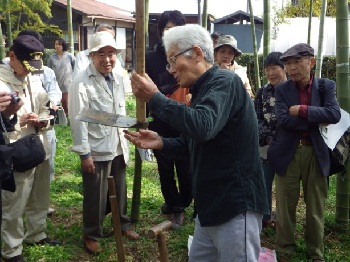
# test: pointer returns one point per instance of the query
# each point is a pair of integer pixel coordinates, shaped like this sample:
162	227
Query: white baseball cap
101	39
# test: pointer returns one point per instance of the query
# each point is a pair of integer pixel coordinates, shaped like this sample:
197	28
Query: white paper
332	133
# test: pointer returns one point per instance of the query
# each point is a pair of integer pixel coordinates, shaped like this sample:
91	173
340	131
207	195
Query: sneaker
50	211
48	241
178	220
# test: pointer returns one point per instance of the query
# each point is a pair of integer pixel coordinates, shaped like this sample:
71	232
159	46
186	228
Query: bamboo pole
70	27
267	33
319	57
116	220
140	106
256	57
343	95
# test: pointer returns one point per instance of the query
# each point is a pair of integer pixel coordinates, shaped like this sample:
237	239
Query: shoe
48	241
131	234
18	258
318	260
92	246
178	220
50	211
165	209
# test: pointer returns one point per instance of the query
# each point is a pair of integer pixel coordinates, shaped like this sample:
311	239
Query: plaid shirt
264	104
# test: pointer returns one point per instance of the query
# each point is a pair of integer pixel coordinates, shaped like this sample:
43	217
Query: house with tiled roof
86	15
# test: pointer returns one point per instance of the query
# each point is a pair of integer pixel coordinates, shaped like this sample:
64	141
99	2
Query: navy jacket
324	108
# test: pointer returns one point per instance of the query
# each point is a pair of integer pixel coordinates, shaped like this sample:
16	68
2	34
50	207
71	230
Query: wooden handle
154	231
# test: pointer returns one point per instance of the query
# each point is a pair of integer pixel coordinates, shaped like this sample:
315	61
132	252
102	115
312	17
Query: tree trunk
267	32
319	56
256	58
70	27
310	21
205	14
343	94
140	106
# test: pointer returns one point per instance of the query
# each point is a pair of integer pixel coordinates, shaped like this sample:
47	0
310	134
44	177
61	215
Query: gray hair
186	36
105	27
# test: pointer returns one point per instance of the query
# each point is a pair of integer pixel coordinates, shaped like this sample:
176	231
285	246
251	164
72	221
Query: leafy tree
301	8
25	14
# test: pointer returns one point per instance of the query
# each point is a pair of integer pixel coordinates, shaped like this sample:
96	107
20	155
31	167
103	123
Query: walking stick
140	106
116	220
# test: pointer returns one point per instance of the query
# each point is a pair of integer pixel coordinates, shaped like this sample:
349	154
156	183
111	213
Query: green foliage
25	14
328	67
301	9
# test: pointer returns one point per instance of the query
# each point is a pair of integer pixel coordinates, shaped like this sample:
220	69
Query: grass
66	224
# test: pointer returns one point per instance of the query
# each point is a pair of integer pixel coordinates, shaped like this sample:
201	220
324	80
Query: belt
305	142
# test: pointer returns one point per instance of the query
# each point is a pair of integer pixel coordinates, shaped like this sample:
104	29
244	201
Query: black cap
298	51
29	50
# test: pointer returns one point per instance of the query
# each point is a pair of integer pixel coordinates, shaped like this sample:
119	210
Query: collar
204	77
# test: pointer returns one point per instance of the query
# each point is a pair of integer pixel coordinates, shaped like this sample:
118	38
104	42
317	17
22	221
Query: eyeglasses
172	62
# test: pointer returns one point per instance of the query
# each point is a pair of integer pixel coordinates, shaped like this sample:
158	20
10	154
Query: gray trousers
236	240
95	189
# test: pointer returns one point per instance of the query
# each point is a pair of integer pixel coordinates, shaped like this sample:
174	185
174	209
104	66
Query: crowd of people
217	143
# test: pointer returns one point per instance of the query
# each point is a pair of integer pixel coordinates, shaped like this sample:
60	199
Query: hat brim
34	66
284	58
96	48
237	51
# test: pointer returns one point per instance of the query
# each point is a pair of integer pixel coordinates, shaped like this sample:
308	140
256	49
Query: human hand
143	87
5	100
8	109
146	139
30	118
87	165
294	110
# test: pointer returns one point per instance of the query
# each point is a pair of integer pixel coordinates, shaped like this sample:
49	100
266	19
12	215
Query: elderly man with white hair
220	135
103	150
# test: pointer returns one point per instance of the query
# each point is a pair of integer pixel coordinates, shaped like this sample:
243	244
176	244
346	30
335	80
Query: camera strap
31	101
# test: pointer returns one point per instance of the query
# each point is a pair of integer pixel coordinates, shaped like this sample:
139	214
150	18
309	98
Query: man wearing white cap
103	150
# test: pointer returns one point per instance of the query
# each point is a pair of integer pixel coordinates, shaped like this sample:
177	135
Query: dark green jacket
220	134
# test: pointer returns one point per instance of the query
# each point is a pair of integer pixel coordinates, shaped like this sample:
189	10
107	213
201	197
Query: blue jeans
269	174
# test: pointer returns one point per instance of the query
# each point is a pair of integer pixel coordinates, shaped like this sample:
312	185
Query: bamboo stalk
140	106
